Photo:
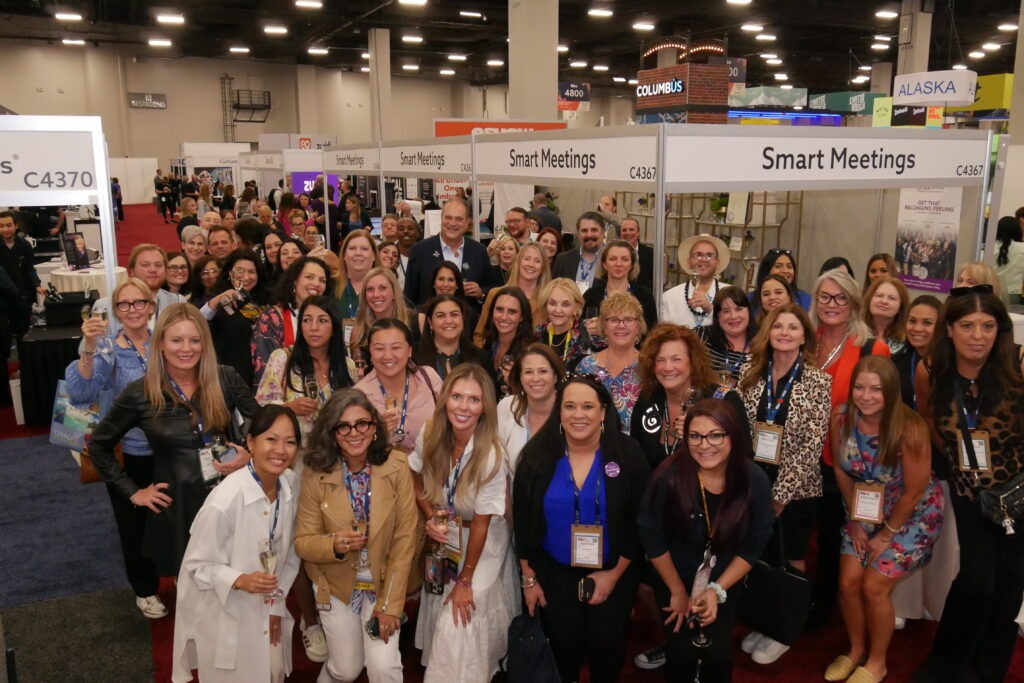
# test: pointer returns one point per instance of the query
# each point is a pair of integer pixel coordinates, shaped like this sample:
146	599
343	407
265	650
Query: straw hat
720	247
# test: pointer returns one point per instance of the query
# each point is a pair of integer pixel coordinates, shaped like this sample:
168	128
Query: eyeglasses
210	272
178	269
825	298
704	255
620	322
361	427
138	305
976	289
243	272
713	438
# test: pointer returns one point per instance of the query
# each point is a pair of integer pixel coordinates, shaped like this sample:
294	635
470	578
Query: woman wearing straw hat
703	258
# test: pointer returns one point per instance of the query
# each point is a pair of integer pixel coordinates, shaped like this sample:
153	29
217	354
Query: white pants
351	648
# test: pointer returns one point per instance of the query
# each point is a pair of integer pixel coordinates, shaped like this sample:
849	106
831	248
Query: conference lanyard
453	481
405	400
585	271
199	418
565	342
773	407
131	345
277	500
354	501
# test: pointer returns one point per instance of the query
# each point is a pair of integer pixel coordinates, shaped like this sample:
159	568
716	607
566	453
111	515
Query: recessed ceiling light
67	16
456	58
578	64
275	30
1007	27
886	14
737	2
239	50
618	79
632	81
317	50
365	69
643	26
495	62
753	28
880	46
860	79
976	54
73	41
773	62
781	77
365	55
989	47
884	39
600	67
787	86
309	4
447	72
769	55
864	67
412	39
470	14
600	12
768	37
960	67
412	2
159	42
410	67
175	19
563	48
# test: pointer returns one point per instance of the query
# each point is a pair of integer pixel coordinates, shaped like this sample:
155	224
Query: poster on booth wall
211	175
76	251
928	223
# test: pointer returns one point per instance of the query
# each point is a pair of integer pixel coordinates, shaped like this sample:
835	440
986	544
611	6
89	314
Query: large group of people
361	430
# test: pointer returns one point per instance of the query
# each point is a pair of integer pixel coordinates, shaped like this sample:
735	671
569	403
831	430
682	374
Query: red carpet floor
805	663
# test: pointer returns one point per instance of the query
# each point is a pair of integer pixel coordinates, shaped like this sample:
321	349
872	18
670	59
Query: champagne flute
700	640
441	522
268	560
103	344
238	283
312	388
86	312
391	407
361	562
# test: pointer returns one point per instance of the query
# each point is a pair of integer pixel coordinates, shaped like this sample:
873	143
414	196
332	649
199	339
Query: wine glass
397	434
86	312
268	560
312	388
441	523
103	344
700	640
361	562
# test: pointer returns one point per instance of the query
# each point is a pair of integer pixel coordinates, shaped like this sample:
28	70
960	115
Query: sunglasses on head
975	289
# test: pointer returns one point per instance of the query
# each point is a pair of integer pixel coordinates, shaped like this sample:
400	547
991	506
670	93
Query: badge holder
976	459
206	458
868	498
453	547
767	442
587	546
348	324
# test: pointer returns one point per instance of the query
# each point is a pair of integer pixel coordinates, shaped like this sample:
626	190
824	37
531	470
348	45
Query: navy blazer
424	257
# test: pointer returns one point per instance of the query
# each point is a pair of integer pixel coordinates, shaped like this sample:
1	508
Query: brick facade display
704	91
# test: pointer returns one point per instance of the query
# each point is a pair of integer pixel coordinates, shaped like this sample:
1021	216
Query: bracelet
885	523
466	582
528	582
719	591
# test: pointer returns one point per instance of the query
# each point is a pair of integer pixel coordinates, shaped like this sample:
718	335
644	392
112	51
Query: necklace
832	354
698	312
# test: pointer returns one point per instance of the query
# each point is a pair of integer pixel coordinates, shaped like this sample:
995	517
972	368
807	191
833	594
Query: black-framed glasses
824	298
625	321
137	304
345	428
713	438
178	269
975	289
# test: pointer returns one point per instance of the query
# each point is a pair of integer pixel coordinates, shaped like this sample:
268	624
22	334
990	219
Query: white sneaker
152	607
315	642
751	642
900	624
768	650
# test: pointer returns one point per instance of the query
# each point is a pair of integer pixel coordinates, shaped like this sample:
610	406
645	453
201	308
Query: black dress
175	446
596	294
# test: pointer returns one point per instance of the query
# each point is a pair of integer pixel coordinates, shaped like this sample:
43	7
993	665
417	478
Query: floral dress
912	546
624	387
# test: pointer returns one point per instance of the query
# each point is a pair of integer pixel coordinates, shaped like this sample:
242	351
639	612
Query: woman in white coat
228	623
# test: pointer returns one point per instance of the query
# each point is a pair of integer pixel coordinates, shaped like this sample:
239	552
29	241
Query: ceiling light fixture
67	16
175	19
976	54
365	55
563	48
787	86
643	26
864	67
737	2
495	62
470	14
456	58
578	64
773	62
632	81
417	3
309	4
600	12
159	42
619	79
239	50
365	69
412	39
989	47
275	30
753	28
884	39
886	14
1007	27
960	67
781	77
447	72
410	67
73	41
317	50
767	37
860	79
879	46
769	55
600	67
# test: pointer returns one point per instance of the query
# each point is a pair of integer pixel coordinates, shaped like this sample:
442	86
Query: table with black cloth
43	354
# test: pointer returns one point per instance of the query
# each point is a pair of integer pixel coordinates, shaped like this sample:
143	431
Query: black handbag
776	600
529	658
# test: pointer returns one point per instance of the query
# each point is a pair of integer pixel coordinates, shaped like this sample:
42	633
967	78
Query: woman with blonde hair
558	321
358	257
505	251
381	297
469	598
618	268
979	273
184	400
530	272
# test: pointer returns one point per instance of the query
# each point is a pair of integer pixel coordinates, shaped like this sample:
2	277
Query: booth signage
994	91
622	159
905	115
362	159
672	86
444	128
147	100
935	87
38	161
436	160
268	161
821	161
573	96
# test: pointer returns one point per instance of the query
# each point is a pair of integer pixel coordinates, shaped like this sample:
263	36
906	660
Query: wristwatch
719	591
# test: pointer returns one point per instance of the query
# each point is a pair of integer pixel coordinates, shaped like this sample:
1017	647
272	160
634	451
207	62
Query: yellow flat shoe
840	668
862	675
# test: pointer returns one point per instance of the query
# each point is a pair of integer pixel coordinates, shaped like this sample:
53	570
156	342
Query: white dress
470	654
221	631
513	436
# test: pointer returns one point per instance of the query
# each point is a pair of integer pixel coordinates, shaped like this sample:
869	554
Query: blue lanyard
351	495
277	500
199	418
351	307
453	482
773	407
405	399
131	345
576	493
972	420
585	272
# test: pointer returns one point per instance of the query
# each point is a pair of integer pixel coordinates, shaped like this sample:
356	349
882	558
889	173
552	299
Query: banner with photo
928	223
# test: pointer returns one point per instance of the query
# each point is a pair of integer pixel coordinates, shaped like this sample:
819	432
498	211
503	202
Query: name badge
323	594
583	286
348	324
587	546
767	442
210	474
453	544
867	502
364	580
979	438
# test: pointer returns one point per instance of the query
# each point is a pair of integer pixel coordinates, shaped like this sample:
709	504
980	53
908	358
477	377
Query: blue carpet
57	536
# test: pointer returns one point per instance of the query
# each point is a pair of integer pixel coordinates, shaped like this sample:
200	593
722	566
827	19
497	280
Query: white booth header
940	88
430	160
352	160
46	161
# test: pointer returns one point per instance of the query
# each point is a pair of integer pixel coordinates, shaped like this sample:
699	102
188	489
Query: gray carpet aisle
65	602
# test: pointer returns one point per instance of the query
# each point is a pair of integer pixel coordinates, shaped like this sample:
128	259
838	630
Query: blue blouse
114	372
560	509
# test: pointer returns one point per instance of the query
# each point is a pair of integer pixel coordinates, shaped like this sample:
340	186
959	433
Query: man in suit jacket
470	256
579	264
629	230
